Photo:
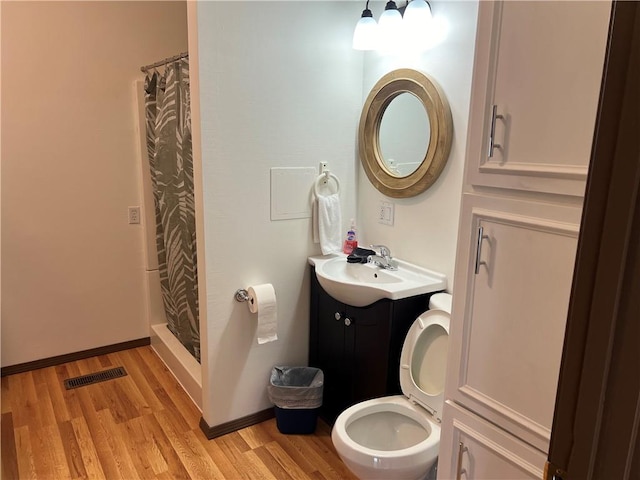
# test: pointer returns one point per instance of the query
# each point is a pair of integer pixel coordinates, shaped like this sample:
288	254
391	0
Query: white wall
72	267
426	226
279	86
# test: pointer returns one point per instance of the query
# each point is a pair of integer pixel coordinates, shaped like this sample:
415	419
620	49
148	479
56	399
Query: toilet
397	437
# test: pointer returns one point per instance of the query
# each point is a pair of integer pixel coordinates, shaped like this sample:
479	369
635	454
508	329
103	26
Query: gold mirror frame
435	103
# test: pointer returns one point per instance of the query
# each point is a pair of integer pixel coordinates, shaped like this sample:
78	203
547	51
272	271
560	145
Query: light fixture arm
391	5
366	12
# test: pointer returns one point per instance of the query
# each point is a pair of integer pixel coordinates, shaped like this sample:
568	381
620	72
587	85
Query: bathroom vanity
358	348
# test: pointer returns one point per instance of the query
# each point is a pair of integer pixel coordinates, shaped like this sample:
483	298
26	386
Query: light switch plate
133	214
386	213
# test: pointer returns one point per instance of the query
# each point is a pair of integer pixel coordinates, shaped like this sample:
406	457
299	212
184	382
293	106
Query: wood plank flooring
140	426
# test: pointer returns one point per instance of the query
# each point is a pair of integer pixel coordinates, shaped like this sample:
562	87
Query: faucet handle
384	250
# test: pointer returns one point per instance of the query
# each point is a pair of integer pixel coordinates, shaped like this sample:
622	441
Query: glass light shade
391	19
365	36
418	14
390	29
418	22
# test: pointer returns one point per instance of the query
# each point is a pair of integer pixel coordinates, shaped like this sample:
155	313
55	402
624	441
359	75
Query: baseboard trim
232	426
72	357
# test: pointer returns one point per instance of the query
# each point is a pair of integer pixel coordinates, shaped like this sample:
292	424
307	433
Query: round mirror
405	133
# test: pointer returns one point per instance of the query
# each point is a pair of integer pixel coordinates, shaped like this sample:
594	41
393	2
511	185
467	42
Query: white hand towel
329	223
314	221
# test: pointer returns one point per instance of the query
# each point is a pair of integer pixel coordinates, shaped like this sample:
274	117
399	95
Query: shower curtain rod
164	62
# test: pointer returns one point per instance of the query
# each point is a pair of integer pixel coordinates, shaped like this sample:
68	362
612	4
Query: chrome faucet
384	260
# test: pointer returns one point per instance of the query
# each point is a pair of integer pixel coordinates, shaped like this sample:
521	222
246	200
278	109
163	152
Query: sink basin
361	284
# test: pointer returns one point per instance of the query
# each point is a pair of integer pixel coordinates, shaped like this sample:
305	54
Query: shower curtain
168	119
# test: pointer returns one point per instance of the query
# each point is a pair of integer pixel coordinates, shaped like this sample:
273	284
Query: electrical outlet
134	215
386	213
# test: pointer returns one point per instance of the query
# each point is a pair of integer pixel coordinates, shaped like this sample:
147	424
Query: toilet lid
424	360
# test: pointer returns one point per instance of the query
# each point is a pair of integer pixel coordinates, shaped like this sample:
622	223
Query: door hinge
552	472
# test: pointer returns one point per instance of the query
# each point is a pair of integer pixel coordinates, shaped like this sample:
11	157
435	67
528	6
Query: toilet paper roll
262	300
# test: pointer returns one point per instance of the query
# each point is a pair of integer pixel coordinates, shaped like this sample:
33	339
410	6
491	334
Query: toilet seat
423	361
394	404
378	463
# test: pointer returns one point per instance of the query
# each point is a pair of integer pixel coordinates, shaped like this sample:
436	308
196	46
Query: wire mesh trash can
296	393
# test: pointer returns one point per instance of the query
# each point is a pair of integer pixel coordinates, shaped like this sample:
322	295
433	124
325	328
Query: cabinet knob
347	321
337	315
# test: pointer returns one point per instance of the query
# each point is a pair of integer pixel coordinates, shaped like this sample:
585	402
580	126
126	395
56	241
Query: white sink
361	284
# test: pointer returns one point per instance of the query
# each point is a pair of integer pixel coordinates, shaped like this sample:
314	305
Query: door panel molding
560	238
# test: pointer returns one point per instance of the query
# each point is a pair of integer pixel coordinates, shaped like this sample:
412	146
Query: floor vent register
94	378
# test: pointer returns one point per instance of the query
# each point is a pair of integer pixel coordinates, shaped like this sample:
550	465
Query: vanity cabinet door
540	64
367	350
353	352
331	356
472	448
515	267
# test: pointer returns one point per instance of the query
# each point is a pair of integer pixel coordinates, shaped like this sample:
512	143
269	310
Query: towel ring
324	178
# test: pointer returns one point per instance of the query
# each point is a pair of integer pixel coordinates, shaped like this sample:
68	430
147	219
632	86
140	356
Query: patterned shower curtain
168	118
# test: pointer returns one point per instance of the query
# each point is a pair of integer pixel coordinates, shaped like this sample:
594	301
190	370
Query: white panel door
473	449
540	64
510	306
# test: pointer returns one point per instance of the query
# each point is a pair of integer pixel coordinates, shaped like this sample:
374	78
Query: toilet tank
441	301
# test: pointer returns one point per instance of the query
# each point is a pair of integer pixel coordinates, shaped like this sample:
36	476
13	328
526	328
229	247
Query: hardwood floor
140	426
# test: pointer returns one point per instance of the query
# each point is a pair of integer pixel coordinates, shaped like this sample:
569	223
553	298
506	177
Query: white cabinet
479	450
540	64
482	451
509	317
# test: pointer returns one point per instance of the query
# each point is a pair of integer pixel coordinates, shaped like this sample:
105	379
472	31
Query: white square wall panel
291	192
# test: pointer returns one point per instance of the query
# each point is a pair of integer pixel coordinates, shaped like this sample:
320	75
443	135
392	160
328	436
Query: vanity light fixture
394	27
365	36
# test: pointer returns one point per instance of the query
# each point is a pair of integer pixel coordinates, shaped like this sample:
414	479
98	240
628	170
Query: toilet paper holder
242	295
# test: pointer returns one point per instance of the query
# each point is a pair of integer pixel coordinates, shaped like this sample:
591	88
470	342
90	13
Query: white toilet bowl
398	437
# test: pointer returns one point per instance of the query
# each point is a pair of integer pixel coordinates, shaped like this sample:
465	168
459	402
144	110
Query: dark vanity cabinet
358	348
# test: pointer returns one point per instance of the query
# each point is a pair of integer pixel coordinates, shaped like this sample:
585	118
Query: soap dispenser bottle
351	242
